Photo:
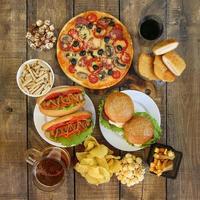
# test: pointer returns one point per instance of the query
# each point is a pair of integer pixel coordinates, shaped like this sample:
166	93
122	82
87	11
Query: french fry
156	150
163	161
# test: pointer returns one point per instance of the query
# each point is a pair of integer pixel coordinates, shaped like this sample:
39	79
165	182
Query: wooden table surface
179	102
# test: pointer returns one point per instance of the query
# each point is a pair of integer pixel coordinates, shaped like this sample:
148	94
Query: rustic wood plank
13	139
130	14
183	105
110	190
59	12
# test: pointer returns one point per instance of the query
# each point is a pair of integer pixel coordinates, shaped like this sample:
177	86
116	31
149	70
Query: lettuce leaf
104	122
157	129
68	107
74	139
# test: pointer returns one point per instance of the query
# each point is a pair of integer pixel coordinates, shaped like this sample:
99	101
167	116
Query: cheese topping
118	124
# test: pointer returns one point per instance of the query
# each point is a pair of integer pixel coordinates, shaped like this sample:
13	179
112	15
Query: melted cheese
82	69
120	125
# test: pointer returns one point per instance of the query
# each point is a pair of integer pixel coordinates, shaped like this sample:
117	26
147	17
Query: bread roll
145	67
161	71
164	46
174	62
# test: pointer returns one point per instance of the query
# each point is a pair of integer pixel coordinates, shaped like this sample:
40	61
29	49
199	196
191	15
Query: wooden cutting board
133	82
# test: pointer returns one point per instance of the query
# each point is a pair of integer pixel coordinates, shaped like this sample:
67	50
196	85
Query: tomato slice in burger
92	17
116	74
125	58
93	78
72	69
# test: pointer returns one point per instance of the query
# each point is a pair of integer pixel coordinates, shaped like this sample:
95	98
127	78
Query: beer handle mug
48	167
32	156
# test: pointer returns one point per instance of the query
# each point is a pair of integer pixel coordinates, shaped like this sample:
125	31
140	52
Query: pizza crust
65	63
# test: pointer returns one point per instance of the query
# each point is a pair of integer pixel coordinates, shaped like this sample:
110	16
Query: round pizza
95	50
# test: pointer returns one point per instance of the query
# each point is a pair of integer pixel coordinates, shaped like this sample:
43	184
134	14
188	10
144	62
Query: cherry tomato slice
72	69
116	74
125	57
92	17
93	78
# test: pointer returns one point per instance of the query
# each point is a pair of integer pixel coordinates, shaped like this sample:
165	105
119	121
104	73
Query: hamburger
142	130
116	110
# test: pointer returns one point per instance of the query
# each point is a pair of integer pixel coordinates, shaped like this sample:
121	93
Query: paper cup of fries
35	77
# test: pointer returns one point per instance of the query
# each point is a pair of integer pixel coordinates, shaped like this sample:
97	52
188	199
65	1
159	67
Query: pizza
95	50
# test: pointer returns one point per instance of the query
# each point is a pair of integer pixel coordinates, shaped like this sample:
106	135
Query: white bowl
31	61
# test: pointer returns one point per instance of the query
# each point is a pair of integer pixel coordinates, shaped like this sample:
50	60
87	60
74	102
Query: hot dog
61	101
69	130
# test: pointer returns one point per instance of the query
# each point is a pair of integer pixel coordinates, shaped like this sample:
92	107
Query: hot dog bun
65	119
61	112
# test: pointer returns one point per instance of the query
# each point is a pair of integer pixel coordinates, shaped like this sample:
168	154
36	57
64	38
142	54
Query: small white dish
40	119
21	69
142	103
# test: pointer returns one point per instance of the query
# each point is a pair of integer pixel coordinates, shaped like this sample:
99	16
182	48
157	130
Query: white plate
40	119
142	103
30	62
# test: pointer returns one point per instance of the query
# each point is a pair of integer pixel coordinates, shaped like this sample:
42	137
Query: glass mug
49	167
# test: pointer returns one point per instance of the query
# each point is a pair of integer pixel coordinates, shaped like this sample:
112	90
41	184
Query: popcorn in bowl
41	35
132	170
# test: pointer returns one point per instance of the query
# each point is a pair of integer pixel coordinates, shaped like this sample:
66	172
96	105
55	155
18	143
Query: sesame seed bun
138	130
119	107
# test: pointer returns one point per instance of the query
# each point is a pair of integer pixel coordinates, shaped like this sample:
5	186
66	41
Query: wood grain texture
109	190
178	102
58	12
131	12
13	139
183	102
